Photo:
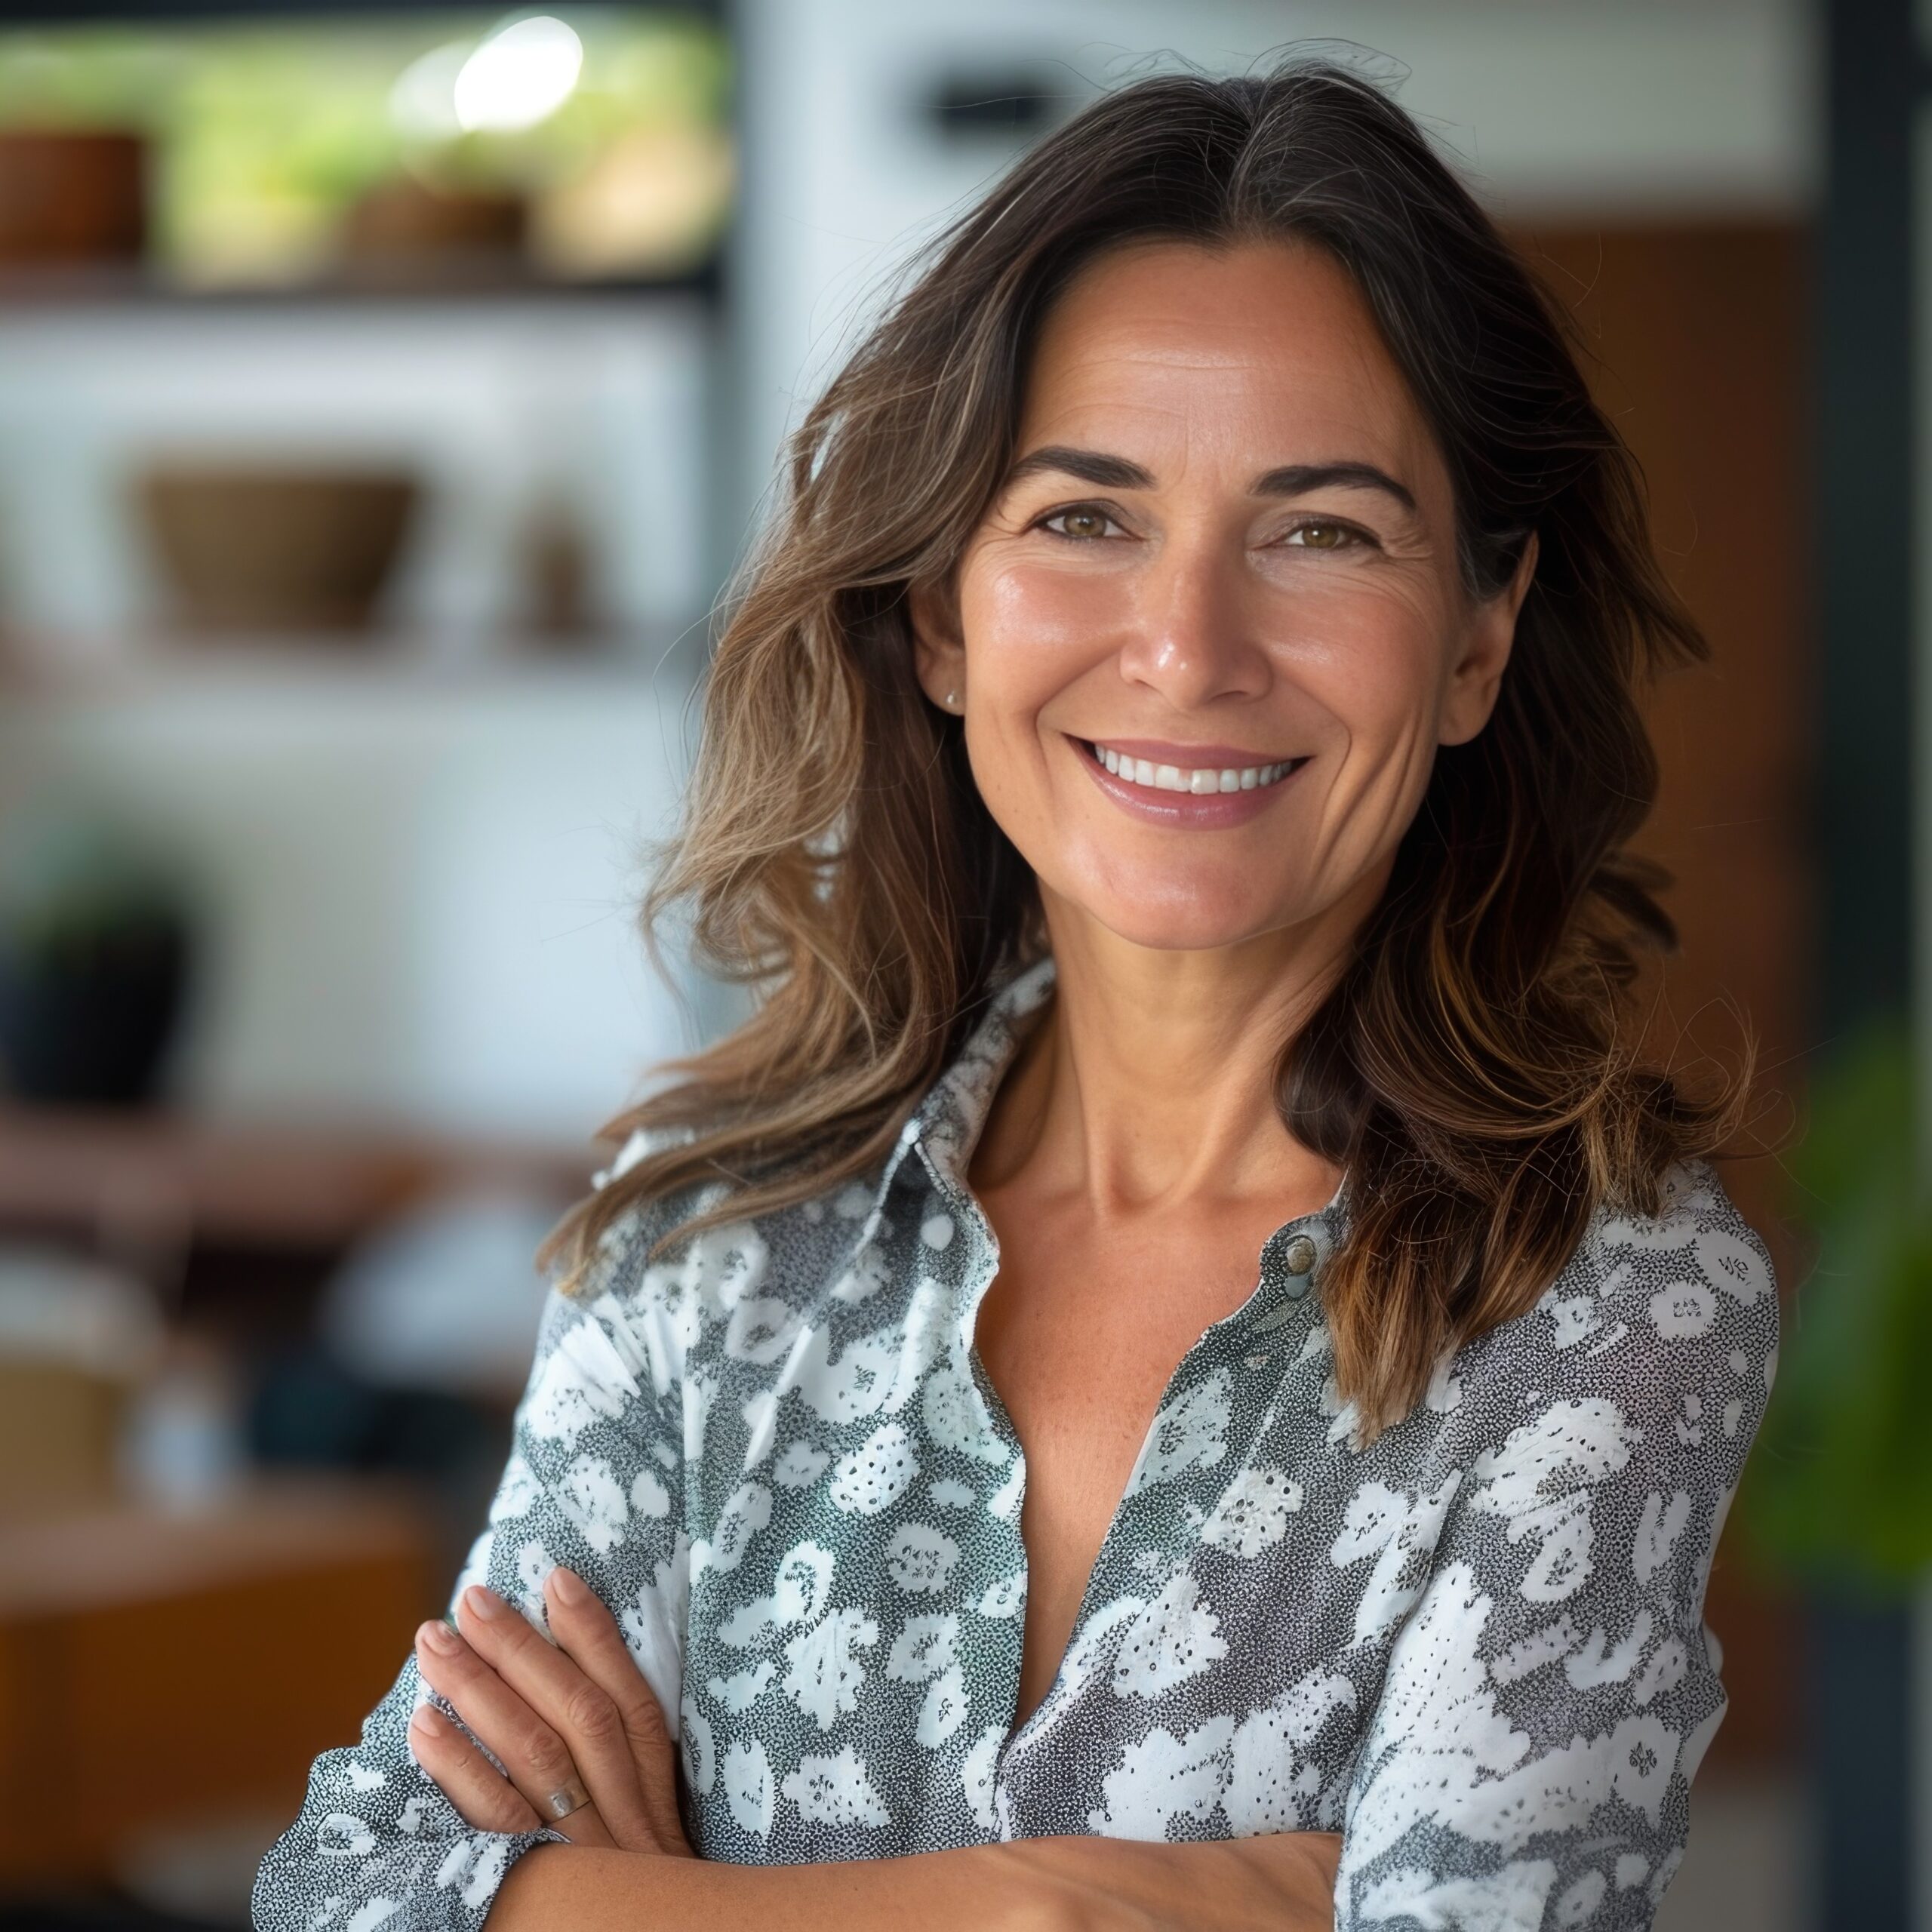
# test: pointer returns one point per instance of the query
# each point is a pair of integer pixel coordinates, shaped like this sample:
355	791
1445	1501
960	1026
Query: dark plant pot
87	1021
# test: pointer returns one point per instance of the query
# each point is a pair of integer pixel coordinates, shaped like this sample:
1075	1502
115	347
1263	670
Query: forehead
1267	349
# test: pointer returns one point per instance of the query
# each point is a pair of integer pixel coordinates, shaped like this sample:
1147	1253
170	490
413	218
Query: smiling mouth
1197	780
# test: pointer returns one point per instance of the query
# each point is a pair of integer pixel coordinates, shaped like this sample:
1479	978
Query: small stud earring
951	700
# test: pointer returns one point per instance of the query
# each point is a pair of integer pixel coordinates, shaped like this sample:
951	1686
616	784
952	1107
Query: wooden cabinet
157	1668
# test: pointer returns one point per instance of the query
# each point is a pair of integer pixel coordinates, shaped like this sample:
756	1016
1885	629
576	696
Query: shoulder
1691	1276
1658	1334
744	1283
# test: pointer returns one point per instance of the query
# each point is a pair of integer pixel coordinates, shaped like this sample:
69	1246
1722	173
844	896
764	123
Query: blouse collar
946	1124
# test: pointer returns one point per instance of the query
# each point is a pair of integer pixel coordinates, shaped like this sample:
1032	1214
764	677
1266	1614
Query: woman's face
1223	561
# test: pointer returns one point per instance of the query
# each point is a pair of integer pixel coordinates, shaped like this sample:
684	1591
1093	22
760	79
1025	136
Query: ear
939	650
1478	674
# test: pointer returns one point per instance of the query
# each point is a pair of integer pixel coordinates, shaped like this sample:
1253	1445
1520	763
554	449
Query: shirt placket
1164	1519
1000	1649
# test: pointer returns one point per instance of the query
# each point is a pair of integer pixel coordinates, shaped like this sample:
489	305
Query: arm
594	1480
1547	1704
542	1707
378	1841
1282	1883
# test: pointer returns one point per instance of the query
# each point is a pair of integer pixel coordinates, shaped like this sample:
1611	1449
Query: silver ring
567	1798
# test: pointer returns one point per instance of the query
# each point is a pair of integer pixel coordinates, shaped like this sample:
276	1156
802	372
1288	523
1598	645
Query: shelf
49	13
245	1183
108	285
623	663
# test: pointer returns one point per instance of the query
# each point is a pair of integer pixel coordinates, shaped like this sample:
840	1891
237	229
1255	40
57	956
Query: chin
1182	924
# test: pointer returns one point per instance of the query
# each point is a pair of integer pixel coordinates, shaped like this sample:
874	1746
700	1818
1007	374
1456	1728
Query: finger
577	1710
587	1631
537	1759
485	1800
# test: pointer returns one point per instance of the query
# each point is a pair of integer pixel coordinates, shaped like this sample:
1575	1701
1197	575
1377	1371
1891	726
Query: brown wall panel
1699	334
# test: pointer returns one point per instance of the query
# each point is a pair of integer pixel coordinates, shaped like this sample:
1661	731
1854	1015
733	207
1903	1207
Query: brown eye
1323	536
1082	525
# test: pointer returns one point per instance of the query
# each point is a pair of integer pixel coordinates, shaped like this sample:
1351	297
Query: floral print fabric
1474	1648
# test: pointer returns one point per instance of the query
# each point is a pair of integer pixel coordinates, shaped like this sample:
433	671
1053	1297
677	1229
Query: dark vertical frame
1860	1664
1866	433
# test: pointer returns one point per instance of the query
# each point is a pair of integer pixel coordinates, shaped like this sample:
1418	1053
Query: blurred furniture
58	1428
76	1338
158	1668
121	1175
278	549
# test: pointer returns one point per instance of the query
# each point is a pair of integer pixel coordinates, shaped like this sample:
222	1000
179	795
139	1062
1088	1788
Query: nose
1188	638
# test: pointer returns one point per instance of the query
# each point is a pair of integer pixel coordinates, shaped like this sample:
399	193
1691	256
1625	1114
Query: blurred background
385	394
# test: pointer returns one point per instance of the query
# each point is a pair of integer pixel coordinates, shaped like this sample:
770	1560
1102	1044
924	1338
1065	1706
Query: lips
1158	795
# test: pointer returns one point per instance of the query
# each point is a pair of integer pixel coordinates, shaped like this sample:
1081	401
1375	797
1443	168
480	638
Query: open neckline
1270	1290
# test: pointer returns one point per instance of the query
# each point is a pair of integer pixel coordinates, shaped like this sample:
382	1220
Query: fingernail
438	1636
569	1585
480	1602
429	1720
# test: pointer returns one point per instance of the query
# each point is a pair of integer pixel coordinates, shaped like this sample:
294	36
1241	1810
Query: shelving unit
94	285
134	1174
49	673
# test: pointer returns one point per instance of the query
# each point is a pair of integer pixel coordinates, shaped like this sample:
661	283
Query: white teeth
1203	779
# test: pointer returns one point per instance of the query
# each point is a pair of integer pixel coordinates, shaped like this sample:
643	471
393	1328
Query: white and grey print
1475	1648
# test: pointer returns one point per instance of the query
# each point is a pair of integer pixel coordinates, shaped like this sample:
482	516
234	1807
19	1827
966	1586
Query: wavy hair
1470	1068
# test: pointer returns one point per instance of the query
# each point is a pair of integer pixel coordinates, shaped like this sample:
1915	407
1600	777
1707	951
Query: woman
1180	1319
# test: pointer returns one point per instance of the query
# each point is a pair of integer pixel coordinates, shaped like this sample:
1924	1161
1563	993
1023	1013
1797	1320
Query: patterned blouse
1474	1648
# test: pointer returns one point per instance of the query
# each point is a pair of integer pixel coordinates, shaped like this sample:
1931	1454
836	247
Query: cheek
1375	664
1033	629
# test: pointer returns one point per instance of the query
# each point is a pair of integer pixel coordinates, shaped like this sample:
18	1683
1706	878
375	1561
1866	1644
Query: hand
555	1715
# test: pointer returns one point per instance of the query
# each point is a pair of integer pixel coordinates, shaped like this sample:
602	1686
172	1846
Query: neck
1147	1080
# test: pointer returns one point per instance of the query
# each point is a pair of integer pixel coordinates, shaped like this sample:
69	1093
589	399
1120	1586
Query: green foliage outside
265	134
1839	1490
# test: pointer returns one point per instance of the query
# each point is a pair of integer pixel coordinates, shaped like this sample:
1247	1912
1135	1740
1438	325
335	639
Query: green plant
1840	1487
70	878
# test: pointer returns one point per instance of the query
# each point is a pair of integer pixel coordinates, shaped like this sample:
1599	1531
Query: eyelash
1357	536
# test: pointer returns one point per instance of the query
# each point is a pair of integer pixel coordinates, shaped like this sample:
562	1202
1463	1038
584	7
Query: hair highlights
1470	1068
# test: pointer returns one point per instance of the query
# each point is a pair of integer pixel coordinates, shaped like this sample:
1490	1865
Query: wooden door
1699	334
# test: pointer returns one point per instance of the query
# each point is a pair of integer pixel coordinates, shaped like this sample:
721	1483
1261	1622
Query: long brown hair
1471	1068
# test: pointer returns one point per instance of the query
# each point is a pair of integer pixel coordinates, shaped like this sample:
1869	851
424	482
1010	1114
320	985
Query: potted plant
95	935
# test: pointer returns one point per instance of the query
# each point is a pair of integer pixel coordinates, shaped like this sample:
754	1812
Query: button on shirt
1474	1648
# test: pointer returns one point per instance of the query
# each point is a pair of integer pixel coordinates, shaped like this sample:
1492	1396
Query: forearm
1283	1882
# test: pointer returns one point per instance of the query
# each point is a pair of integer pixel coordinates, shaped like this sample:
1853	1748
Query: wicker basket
276	550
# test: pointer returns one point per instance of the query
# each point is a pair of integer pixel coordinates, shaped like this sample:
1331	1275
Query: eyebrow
1291	479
